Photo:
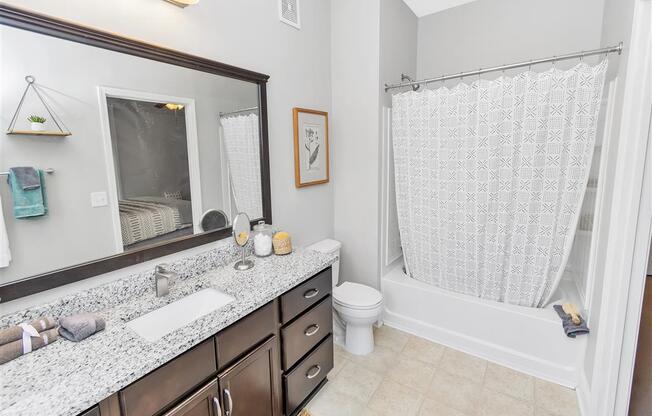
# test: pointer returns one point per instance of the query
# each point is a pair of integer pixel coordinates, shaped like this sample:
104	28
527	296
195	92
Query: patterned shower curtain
242	143
490	179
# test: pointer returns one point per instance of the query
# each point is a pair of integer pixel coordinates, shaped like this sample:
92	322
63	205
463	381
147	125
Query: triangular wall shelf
38	133
63	130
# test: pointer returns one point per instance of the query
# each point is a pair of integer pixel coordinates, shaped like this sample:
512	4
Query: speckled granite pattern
120	291
66	378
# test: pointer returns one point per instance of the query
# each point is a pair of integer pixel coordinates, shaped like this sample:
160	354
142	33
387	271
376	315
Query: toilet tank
330	247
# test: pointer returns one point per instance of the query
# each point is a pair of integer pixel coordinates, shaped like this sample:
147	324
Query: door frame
192	141
625	266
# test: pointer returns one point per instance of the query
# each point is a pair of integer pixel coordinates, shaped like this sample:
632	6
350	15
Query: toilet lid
356	295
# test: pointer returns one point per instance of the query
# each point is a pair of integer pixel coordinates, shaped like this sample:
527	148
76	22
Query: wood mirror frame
38	23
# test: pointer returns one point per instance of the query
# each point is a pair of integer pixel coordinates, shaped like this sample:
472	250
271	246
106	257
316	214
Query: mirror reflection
118	152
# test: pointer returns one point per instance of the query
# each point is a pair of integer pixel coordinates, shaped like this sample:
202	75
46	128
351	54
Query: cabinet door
251	387
203	403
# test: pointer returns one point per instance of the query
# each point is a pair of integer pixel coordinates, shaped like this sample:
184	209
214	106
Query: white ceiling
425	7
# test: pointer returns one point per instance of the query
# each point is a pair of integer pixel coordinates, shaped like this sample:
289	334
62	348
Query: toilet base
359	339
356	336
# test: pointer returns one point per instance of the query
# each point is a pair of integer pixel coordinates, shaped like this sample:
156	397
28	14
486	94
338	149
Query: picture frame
311	147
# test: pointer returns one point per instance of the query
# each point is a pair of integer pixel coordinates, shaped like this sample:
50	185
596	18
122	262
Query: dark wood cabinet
239	371
163	387
202	403
94	411
251	387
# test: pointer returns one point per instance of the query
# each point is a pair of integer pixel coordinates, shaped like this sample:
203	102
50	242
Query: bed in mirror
164	150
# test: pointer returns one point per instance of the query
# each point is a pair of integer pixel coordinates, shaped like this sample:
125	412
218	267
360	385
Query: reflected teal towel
28	202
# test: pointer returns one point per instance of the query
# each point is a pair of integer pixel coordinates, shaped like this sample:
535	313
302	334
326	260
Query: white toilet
357	307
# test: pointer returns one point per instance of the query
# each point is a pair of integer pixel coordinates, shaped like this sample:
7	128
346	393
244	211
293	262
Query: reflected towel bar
48	170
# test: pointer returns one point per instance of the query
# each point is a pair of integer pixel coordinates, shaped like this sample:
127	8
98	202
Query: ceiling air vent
289	12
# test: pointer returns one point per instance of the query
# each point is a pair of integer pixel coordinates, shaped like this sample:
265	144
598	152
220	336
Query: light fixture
183	3
170	106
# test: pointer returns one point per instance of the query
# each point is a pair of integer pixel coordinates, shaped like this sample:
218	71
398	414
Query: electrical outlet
99	199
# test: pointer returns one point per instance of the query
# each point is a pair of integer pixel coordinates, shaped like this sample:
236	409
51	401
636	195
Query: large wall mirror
115	152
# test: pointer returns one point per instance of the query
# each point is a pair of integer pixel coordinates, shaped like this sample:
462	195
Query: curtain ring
582	56
30	79
529	67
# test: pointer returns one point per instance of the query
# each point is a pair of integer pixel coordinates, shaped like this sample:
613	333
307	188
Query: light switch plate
99	199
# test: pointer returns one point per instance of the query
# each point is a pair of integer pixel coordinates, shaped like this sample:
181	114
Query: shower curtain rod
244	110
605	51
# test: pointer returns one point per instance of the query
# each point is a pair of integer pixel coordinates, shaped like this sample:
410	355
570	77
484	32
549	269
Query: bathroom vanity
267	363
263	354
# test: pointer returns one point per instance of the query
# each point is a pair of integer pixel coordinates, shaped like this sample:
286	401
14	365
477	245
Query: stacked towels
25	338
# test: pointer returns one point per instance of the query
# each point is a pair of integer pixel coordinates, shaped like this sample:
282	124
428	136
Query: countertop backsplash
132	285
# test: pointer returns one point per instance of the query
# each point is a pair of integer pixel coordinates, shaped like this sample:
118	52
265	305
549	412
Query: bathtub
528	340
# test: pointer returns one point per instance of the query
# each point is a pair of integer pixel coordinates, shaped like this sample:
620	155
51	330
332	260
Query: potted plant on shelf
37	123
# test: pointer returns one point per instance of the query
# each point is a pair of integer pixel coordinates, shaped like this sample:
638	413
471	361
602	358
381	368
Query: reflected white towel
5	253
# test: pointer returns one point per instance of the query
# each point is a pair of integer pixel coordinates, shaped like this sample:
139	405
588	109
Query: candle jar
262	236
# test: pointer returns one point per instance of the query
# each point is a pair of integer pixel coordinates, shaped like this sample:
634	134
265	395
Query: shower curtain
490	179
242	143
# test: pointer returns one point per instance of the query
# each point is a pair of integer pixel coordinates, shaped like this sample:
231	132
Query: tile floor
410	376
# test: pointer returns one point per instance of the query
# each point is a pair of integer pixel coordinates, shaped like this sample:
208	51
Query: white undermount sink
160	322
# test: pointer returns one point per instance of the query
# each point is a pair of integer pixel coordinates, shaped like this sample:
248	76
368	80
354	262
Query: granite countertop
66	378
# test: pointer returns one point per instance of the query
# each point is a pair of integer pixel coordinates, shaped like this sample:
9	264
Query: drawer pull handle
313	372
311	293
311	330
229	400
216	405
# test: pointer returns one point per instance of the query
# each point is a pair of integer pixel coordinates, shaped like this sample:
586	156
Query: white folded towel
5	253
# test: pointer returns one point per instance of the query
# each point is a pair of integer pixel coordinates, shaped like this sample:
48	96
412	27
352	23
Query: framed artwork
311	159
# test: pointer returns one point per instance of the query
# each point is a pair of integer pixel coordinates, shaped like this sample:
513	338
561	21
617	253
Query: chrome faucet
162	276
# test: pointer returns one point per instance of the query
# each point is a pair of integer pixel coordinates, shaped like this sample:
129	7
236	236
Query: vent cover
288	11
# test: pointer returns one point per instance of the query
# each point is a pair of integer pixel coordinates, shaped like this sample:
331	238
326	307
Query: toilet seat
357	296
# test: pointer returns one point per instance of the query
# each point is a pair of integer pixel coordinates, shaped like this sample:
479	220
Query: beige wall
355	34
488	33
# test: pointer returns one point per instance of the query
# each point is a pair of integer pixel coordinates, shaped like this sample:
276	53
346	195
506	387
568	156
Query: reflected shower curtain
242	143
490	179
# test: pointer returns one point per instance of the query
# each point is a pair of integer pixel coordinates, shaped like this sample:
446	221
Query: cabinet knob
311	293
216	406
311	330
313	372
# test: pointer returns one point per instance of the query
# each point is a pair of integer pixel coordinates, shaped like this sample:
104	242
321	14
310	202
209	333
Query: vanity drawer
159	389
305	295
239	338
310	372
305	332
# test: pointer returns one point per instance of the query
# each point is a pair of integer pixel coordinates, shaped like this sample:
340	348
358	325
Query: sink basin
157	324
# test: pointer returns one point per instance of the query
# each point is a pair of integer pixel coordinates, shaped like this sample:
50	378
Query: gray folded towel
81	326
27	177
570	328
